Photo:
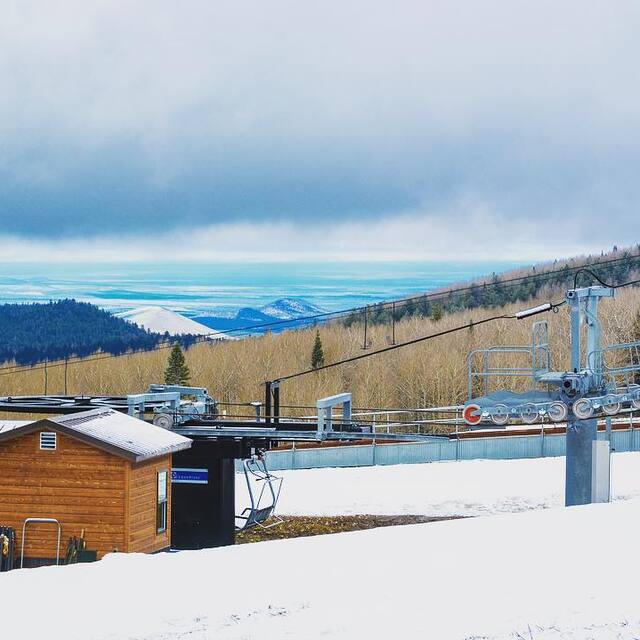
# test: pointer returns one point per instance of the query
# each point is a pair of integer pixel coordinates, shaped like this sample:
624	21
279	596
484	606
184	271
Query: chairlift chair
264	490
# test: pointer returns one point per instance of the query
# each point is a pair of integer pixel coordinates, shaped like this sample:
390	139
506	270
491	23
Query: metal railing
39	521
389	421
620	363
482	368
543	444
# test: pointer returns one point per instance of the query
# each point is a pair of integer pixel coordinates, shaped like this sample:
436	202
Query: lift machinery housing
601	382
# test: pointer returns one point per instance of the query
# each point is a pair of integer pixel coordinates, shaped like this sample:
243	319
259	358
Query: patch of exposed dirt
302	526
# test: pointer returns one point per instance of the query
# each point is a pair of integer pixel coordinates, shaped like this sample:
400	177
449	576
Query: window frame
162	505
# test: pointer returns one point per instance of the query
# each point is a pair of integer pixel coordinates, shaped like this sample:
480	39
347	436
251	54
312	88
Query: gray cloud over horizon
149	116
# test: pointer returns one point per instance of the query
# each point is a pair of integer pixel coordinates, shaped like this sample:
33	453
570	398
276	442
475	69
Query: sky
275	129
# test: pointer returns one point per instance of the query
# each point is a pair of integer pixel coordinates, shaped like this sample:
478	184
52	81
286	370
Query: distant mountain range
285	313
31	333
281	314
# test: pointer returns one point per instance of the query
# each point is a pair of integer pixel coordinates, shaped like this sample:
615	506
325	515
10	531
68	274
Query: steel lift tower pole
583	452
602	382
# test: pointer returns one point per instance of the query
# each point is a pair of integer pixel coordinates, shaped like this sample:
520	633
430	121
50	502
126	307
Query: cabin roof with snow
109	430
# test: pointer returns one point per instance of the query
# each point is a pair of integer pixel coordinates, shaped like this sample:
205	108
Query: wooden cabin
100	472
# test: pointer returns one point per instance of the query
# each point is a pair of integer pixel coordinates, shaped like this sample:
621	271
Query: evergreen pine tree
317	355
177	371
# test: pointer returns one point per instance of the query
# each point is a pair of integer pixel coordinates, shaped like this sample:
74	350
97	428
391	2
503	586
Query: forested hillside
31	333
520	285
432	373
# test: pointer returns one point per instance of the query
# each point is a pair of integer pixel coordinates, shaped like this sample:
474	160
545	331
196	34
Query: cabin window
48	440
161	510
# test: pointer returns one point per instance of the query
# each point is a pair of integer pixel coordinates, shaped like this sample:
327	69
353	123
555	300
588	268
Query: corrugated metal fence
506	448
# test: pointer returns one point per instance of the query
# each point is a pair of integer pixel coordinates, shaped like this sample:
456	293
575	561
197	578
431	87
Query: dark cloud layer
154	116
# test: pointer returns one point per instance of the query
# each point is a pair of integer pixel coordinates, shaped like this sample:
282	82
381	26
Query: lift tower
584	453
601	382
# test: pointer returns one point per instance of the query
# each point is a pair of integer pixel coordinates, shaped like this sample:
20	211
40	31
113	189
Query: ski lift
264	490
603	383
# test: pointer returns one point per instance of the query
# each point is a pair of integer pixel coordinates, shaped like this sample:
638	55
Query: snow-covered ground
469	488
161	320
542	575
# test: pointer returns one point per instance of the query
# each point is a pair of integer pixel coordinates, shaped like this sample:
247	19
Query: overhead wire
436	295
598	279
407	343
552	307
389	348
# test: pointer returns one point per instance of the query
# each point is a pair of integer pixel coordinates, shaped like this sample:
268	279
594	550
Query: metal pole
275	390
393	322
267	403
364	344
581	435
575	334
485	365
575	483
457	434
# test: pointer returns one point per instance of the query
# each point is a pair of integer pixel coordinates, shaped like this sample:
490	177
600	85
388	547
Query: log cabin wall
143	536
80	485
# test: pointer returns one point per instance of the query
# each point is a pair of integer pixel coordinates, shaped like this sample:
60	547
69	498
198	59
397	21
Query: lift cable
301	419
205	338
439	295
405	344
550	306
596	277
436	295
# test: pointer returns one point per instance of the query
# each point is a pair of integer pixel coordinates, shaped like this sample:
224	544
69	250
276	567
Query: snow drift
539	575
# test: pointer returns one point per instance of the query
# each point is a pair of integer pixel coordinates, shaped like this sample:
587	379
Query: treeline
31	333
426	374
498	291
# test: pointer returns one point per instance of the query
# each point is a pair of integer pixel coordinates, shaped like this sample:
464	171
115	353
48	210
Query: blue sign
190	476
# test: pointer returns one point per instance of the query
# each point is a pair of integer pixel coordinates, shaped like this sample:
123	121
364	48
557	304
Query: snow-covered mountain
288	308
161	320
284	313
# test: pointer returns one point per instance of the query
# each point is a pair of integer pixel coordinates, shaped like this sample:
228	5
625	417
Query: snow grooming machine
263	489
603	382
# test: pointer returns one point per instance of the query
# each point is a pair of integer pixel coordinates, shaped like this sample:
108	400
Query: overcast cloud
275	120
